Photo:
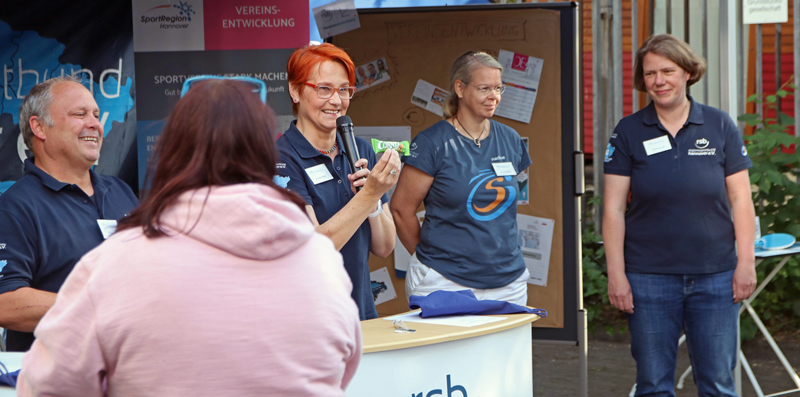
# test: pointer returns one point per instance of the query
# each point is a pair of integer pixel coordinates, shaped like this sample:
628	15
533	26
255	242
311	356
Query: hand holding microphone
385	173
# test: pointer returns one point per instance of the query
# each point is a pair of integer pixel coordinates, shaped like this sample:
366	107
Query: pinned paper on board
522	180
429	97
401	256
371	74
521	75
535	240
336	18
382	287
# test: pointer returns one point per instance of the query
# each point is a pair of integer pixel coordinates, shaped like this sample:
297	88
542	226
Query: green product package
380	146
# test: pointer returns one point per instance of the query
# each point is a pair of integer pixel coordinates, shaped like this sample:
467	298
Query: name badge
504	169
657	145
107	227
319	173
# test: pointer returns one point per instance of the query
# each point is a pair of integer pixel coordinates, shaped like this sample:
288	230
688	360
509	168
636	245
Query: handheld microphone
344	126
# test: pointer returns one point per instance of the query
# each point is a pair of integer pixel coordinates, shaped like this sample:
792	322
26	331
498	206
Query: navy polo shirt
328	198
46	226
679	218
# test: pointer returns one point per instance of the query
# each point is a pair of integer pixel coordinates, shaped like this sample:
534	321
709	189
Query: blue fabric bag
9	379
446	303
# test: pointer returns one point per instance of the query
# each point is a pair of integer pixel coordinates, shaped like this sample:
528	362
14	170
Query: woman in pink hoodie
217	284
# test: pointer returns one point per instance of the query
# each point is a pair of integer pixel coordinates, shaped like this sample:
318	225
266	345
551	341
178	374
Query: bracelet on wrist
377	211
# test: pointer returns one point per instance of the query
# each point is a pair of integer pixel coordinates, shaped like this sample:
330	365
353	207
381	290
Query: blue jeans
702	306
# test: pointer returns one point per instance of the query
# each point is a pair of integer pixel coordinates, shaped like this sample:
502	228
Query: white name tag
319	174
657	145
504	169
107	227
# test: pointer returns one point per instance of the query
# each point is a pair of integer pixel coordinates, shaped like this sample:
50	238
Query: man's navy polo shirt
46	226
328	198
679	218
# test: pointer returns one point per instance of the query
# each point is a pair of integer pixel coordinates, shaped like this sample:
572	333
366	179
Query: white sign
497	364
382	287
429	97
336	18
521	75
765	11
161	26
535	240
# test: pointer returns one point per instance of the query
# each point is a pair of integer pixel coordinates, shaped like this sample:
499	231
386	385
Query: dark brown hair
219	134
674	49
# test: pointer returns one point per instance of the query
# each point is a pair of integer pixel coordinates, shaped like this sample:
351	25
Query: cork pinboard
422	43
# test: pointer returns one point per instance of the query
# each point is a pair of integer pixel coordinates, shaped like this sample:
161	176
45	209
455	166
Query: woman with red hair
321	79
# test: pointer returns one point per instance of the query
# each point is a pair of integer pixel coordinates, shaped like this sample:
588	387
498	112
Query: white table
761	255
742	363
493	359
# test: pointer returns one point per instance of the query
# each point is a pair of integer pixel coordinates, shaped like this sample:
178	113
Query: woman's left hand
382	177
744	281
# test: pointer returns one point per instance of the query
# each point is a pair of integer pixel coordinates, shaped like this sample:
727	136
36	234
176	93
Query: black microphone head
343	120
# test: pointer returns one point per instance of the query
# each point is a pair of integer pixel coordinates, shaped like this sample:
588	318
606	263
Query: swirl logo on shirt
500	196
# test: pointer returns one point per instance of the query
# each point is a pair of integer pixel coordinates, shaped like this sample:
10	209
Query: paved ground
612	370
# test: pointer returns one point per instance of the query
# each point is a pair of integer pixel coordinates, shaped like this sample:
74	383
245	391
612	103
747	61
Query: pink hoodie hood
251	221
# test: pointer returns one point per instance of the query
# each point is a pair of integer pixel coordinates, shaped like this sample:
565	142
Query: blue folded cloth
445	303
9	379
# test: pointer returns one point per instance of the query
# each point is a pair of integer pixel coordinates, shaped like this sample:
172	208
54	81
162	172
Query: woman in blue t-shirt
464	168
678	225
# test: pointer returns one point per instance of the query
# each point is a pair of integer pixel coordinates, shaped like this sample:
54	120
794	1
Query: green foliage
776	194
599	310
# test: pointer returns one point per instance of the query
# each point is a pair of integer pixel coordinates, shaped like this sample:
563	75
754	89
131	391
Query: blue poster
92	41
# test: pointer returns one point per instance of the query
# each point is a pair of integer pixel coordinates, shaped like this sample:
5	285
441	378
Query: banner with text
92	41
178	40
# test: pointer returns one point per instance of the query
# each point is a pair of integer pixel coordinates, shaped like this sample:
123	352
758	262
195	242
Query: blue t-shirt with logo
679	217
470	230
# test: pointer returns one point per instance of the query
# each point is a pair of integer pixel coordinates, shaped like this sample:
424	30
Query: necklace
476	140
335	144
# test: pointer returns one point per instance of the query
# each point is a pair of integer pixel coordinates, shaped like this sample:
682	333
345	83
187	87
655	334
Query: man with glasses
59	210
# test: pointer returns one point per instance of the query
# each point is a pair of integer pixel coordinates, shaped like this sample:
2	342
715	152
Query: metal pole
686	20
742	75
634	47
760	70
778	77
796	68
583	341
728	89
686	31
669	16
597	110
704	18
616	59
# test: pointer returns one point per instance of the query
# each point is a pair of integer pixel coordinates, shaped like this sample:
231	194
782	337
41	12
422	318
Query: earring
295	100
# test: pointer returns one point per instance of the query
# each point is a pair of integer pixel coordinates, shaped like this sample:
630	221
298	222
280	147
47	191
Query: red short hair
303	60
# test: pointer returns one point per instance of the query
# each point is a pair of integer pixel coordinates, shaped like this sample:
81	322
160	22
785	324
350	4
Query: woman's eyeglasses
484	89
325	92
257	85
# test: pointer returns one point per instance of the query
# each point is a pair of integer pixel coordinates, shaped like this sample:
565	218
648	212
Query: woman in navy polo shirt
465	170
314	165
681	252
